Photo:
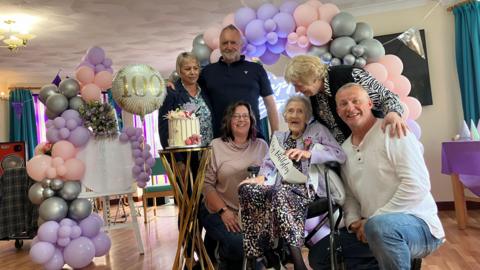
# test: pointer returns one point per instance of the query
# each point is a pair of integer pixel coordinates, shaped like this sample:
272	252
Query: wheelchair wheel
18	243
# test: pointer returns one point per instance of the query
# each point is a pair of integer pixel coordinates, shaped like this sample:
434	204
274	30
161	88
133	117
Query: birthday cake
183	128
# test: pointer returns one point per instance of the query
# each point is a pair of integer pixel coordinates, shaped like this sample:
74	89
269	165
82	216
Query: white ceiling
131	31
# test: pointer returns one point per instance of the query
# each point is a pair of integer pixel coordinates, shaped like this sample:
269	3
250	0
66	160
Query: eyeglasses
237	116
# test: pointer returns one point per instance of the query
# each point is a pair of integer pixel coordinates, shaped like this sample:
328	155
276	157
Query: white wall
440	121
4	120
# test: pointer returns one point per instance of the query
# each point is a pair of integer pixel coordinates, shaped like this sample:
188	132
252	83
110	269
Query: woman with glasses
273	206
236	150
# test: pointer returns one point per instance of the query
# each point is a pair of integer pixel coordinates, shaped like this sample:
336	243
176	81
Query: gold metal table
187	195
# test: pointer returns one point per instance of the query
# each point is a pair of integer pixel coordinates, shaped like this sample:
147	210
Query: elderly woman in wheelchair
274	204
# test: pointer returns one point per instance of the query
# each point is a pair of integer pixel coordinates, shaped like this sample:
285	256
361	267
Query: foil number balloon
138	89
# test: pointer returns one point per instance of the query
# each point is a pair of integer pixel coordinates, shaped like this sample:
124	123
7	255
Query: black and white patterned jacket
323	103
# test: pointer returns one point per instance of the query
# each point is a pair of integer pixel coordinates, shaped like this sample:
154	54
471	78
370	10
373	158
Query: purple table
461	160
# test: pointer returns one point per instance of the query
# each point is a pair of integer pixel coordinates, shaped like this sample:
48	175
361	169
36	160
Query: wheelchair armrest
318	207
332	165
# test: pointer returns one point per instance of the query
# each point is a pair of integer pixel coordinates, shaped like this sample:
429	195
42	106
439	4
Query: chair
155	190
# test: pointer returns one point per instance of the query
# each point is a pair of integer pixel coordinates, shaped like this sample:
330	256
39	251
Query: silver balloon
47	193
202	52
56	184
46	183
70	190
358	50
57	103
342	46
317	50
75	103
46	91
326	57
173	76
79	209
198	40
373	49
50	115
35	193
411	38
335	62
349	60
53	208
69	87
360	62
343	24
362	31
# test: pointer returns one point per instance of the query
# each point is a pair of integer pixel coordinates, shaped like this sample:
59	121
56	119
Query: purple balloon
143	175
278	47
79	253
138	132
79	136
147	147
49	123
141	183
134	138
67	222
135	145
97	217
52	135
414	128
42	252
259	51
140	139
269	58
130	131
64	231
123	138
285	24
288	7
99	67
146	154
107	62
70	114
272	38
137	153
266	11
243	16
71	124
102	244
63	242
269	25
64	133
90	227
148	171
139	161
56	262
76	232
48	231
255	32
150	161
95	55
59	122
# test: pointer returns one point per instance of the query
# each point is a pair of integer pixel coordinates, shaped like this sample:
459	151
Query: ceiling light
13	36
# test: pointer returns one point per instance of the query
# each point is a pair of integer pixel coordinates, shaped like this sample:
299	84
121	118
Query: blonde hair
305	69
183	57
302	99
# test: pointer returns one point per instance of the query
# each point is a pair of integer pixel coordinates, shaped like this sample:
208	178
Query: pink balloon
210	35
378	71
392	63
57	161
215	55
229	19
63	149
304	15
319	33
37	167
103	79
293	50
414	107
303	42
292	38
75	169
314	3
85	75
301	30
51	173
91	92
389	84
402	85
327	11
61	170
39	148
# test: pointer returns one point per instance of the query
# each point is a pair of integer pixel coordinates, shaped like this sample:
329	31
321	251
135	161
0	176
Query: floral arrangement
186	111
44	148
307	142
195	139
100	119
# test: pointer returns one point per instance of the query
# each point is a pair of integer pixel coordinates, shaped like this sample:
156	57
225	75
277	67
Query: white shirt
386	174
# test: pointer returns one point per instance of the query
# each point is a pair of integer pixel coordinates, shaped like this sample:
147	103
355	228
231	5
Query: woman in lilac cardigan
272	207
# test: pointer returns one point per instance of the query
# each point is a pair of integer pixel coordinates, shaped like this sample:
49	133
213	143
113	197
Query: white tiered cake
183	129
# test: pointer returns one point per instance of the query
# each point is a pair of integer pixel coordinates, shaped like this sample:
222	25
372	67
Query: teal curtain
264	129
23	126
467	49
118	110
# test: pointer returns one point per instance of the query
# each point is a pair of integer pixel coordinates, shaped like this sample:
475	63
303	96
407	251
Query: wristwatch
222	210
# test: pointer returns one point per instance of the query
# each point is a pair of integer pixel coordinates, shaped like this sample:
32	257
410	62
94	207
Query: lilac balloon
139	161
64	231
64	133
140	139
269	25
272	38
138	132
97	218
102	244
243	16
148	171
42	252
288	7
259	51
95	55
109	69
48	232
59	122
34	240
79	253
269	58
146	154
285	24
52	135
255	32
143	175
90	227
107	62
137	153
130	131
123	138
99	67
79	136
49	123
141	183
150	161
135	145
63	242
134	138
414	128
76	232
266	11
71	124
56	262
278	47
147	147
67	222
70	114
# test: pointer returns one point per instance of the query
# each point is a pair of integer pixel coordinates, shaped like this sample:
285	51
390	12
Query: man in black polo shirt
233	79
